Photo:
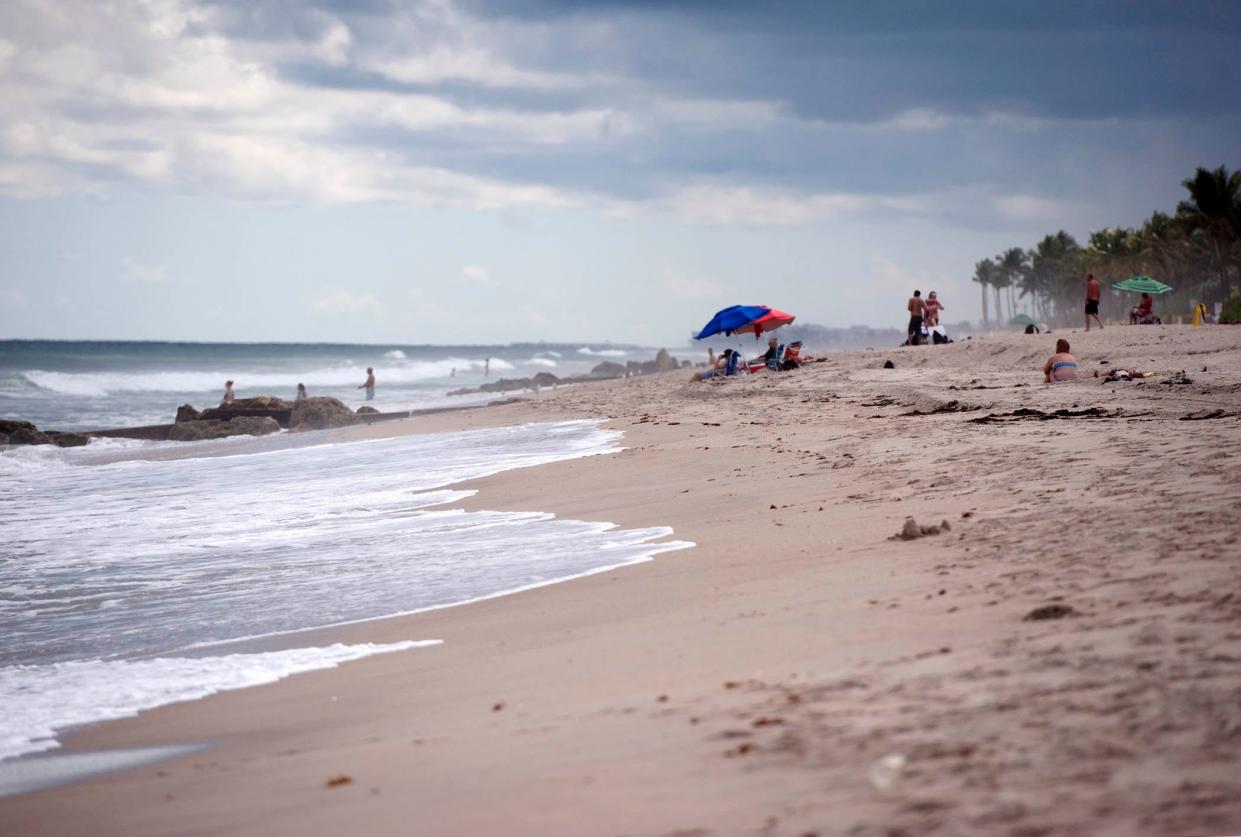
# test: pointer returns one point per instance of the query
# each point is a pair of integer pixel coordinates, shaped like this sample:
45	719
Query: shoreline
623	678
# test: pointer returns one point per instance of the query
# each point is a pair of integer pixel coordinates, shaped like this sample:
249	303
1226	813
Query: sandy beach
1059	654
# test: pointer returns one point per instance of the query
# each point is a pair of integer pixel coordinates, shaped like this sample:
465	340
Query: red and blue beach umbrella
745	319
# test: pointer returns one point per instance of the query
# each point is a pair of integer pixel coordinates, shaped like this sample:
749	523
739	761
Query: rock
28	436
194	431
887	364
545	379
910	530
4	439
1052	611
929	530
365	410
664	362
67	440
9	426
186	412
609	369
945	525
321	412
259	402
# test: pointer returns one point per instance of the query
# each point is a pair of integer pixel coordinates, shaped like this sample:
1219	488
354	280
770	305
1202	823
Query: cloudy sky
496	170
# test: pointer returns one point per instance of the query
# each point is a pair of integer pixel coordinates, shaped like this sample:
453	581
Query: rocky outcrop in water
365	410
25	433
198	430
320	413
609	369
186	412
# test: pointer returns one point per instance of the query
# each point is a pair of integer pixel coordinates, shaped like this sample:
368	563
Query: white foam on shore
112	564
39	701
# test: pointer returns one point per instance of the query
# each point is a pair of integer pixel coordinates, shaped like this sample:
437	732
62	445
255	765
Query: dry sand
799	671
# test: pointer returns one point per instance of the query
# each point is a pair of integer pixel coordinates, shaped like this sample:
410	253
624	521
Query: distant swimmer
301	393
487	367
228	393
1093	291
369	386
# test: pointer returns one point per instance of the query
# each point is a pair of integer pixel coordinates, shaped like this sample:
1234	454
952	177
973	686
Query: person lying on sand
1122	374
1061	366
724	365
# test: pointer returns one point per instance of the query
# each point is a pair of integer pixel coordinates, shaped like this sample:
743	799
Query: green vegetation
1197	251
1232	310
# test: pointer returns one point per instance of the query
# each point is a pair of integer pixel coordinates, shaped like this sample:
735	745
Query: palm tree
1214	208
1053	278
984	272
1013	265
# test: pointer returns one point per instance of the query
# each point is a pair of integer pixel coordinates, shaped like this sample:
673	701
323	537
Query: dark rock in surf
186	412
28	436
664	362
10	426
320	413
196	431
545	379
365	410
66	440
608	369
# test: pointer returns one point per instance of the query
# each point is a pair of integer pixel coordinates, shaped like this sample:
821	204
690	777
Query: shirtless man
1093	290
369	386
916	308
1061	366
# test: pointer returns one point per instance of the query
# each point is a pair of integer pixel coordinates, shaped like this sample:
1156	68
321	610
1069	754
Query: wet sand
1064	657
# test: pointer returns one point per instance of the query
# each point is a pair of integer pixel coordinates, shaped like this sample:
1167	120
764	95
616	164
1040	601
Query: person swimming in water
1061	366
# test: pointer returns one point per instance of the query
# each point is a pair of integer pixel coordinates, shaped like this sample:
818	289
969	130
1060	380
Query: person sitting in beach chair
1144	313
725	364
792	356
773	355
1061	366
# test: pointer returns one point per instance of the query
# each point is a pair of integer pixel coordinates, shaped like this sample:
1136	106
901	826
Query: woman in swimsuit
1061	366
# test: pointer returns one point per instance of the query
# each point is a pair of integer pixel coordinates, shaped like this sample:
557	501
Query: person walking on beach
228	393
369	386
916	309
301	393
1093	290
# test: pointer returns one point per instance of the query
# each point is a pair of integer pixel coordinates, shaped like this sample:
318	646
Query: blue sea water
130	571
95	385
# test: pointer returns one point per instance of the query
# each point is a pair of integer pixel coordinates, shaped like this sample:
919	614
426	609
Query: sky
486	171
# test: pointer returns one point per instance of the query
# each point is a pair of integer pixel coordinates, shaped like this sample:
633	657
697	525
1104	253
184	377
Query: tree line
1196	250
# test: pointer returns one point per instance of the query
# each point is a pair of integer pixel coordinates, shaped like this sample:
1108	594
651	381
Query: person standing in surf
1093	291
228	393
369	386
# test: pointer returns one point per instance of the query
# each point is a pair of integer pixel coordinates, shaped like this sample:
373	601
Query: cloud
12	298
726	205
479	276
136	272
344	302
691	287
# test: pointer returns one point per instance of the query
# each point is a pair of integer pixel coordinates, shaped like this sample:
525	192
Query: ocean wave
100	384
395	354
542	361
586	350
40	700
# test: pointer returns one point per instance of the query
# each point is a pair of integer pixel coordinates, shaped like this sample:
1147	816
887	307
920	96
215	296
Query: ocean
97	385
135	574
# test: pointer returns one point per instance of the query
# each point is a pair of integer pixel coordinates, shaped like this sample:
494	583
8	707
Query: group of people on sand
924	319
368	385
777	358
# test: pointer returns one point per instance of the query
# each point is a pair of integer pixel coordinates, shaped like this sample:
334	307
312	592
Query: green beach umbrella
1022	320
1142	285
